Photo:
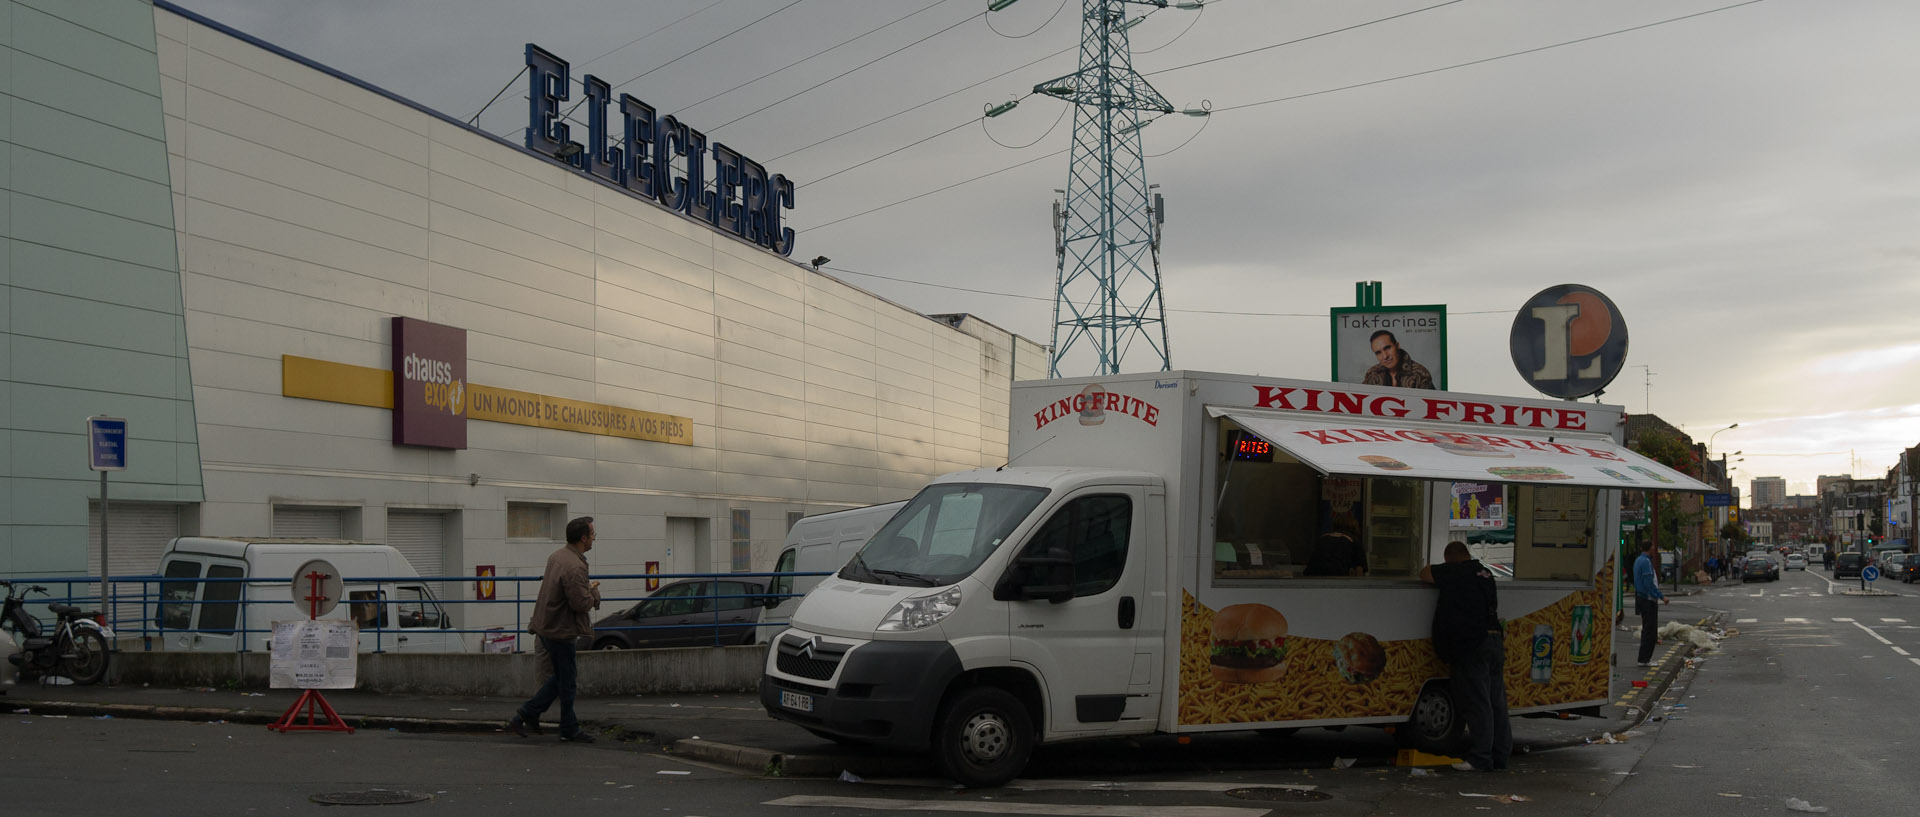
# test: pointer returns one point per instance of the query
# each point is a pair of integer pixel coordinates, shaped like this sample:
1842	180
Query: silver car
1796	561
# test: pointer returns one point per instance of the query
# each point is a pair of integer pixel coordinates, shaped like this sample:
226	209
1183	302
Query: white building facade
311	210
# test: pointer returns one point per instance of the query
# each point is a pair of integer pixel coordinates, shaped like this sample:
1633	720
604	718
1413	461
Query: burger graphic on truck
1249	644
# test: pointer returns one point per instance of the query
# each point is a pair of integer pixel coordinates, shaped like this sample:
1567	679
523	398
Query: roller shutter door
421	536
140	531
310	523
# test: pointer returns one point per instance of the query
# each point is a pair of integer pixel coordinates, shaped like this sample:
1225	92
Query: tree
1733	532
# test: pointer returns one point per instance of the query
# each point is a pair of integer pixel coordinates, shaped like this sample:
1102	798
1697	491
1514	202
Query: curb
241	716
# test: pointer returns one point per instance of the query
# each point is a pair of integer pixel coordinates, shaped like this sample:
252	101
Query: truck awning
1401	449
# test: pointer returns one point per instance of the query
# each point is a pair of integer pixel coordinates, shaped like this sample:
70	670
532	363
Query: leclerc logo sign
739	196
429	384
1569	341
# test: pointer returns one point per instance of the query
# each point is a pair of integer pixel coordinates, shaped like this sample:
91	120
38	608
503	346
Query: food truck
1191	552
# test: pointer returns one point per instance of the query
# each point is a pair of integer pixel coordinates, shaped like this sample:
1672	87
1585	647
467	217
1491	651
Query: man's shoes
1643	663
582	736
522	726
1464	766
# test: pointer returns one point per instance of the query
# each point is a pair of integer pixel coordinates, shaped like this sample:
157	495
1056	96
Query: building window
742	540
533	520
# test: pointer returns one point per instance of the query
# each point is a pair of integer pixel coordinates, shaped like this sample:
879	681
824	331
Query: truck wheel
608	644
982	737
1436	724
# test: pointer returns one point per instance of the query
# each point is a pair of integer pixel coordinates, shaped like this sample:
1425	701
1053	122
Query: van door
423	623
1085	647
200	600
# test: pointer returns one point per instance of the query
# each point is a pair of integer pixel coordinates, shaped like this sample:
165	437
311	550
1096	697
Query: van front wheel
982	737
1437	724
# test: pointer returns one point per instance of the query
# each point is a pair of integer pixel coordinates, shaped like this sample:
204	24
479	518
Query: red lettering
1348	402
1321	437
1417	436
1534	413
1076	404
1389	407
1152	416
1113	401
1564	449
1573	420
1313	400
1477	413
1437	408
1603	455
1497	442
1378	436
1270	397
1456	438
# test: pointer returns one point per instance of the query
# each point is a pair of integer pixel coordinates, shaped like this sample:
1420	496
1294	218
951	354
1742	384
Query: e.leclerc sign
1568	341
744	200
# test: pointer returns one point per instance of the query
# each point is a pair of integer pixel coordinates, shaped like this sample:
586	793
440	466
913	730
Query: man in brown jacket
560	615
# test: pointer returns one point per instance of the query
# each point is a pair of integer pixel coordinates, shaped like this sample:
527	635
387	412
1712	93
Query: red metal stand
311	698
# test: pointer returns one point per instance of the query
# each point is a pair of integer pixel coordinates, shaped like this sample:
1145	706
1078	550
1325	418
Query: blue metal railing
148	595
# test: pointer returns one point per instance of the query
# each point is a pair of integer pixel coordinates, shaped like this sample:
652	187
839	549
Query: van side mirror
1047	577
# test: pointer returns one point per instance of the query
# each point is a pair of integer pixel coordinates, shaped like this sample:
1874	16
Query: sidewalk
731	728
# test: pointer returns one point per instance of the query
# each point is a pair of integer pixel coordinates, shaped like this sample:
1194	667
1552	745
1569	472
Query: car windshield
942	534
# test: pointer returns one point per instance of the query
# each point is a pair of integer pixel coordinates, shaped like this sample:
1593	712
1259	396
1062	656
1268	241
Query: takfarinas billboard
429	384
1403	346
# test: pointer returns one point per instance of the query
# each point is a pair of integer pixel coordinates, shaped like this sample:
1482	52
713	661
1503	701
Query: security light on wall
567	151
818	261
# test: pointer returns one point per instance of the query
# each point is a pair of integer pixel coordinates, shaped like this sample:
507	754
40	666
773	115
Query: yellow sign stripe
335	382
312	379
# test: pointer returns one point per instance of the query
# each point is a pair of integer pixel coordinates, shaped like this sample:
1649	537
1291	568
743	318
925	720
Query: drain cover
1273	794
372	797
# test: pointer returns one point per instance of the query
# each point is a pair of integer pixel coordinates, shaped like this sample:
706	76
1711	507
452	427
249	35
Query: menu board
309	654
1562	517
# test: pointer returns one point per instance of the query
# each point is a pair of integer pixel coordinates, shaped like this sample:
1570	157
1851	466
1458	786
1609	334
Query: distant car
1759	569
1911	571
1848	564
1796	561
1892	565
686	613
1771	560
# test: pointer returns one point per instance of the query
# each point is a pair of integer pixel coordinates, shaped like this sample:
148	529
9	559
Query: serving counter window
1277	518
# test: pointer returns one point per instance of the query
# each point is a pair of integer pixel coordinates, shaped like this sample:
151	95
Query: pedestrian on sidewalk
561	614
1646	591
1467	635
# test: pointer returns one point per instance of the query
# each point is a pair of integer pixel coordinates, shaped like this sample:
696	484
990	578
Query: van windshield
942	534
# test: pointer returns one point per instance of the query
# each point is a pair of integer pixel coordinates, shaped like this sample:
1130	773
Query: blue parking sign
107	443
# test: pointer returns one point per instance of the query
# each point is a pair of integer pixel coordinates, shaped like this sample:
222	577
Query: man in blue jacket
1646	591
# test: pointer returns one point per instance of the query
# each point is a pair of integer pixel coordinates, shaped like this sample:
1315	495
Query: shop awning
1376	447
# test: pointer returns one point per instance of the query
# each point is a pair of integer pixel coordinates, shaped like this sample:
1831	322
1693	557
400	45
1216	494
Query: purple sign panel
429	384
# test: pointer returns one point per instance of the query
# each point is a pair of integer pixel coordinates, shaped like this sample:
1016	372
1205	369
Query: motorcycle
76	647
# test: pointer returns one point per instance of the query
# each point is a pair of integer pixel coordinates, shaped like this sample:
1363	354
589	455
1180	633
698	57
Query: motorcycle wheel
88	663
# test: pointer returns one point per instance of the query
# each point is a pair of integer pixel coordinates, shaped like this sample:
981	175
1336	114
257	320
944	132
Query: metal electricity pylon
1107	295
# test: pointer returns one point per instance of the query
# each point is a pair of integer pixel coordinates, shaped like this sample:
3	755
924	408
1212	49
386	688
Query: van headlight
921	612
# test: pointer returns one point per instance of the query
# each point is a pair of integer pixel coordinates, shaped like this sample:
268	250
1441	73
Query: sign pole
106	575
106	451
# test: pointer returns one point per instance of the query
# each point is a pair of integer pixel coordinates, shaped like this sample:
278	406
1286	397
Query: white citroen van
821	543
221	594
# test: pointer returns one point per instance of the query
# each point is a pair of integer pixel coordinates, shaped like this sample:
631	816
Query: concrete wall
603	672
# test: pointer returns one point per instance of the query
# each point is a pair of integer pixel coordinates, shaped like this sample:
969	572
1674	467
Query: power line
1490	59
702	47
1319	315
767	107
635	40
711	97
1303	39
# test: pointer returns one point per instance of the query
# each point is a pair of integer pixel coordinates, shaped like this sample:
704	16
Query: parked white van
395	609
821	543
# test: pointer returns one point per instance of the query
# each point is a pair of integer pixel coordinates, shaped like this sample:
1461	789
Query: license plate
796	701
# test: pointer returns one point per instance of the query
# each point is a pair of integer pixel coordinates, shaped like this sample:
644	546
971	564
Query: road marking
1844	620
1901	651
1138	785
1914	660
1894	620
1798	621
1746	621
1876	636
1003	807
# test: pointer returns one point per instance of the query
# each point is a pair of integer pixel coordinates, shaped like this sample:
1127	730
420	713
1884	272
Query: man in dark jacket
561	614
1467	635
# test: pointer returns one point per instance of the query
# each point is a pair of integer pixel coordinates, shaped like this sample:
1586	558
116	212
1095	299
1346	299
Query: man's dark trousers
561	686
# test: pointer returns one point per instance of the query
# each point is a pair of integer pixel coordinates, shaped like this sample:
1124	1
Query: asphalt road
1798	705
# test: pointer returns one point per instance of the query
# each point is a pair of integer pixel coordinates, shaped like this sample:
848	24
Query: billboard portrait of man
1391	346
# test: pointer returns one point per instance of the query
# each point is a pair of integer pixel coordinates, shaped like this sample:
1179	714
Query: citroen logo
807	648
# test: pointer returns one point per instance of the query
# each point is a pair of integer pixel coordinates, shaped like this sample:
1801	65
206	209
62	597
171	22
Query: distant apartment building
1769	492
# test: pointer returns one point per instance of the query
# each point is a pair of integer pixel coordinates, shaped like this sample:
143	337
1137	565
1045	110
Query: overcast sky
1744	184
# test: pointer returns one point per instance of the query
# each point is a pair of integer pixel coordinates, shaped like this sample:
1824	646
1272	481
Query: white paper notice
313	655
